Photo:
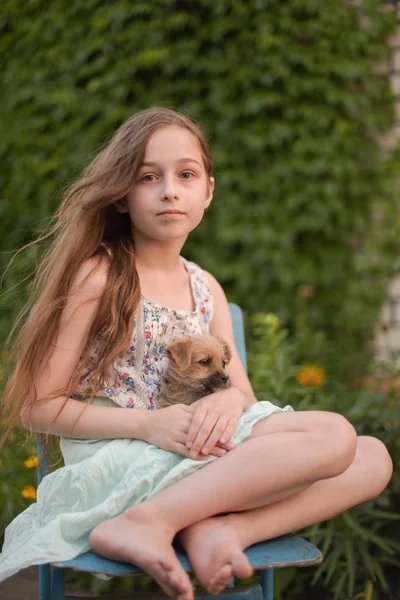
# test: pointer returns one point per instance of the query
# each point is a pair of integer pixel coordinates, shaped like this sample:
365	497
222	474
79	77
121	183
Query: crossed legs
295	469
215	545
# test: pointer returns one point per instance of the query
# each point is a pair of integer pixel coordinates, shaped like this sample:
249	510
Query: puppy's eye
224	363
205	362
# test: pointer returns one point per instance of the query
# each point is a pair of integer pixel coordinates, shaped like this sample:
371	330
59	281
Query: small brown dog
196	368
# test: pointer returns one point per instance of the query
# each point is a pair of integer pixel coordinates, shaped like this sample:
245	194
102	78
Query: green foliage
290	98
15	477
360	545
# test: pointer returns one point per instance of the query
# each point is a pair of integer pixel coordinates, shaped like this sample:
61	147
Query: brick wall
388	329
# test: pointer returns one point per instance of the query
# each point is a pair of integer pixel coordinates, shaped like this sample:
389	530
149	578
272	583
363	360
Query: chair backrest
238	330
240	343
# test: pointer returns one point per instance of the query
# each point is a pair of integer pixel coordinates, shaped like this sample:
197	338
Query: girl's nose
169	191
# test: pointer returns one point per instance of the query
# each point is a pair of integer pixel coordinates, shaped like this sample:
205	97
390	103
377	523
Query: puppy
196	368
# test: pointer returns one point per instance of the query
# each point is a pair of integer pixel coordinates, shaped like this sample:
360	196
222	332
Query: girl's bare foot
215	552
140	537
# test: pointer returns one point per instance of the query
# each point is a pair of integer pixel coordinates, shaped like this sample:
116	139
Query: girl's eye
144	177
205	362
149	178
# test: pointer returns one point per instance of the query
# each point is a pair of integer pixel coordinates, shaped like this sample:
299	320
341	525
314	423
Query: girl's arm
221	325
166	428
83	421
77	419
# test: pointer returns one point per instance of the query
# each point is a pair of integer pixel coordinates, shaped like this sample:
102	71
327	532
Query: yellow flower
29	492
31	462
311	375
270	320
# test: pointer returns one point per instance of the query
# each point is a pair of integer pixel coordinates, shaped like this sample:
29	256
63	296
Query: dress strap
203	294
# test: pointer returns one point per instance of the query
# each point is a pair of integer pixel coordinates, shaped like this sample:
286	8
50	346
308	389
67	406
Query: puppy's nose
224	378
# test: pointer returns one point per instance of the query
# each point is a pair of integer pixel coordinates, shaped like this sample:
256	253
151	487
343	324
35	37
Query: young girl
112	291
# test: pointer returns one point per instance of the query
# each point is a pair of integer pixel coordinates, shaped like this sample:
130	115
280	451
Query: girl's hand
168	428
214	421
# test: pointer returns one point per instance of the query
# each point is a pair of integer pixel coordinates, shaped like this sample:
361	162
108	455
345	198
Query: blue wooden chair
284	551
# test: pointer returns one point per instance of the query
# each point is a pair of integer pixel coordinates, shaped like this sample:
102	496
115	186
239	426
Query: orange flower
311	375
31	462
305	291
29	492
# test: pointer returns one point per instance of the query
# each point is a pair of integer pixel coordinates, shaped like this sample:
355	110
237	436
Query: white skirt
100	480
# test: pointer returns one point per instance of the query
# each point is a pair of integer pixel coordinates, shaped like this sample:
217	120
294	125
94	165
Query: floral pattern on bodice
138	373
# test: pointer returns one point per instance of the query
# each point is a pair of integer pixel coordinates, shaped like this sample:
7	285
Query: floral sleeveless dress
102	478
136	380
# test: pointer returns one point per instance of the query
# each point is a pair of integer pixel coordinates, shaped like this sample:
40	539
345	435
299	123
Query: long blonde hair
87	225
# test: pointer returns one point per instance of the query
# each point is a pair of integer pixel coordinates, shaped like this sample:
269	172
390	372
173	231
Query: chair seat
285	551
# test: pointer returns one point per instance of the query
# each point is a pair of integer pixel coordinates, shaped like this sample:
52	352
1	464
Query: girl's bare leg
287	450
215	545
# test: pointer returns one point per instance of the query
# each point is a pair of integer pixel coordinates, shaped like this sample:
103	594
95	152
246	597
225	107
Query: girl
113	291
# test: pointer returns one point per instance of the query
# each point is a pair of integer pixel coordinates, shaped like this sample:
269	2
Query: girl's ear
120	205
211	186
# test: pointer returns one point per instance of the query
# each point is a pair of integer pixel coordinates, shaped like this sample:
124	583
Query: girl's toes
177	580
174	579
224	575
217	588
210	587
241	566
184	595
221	579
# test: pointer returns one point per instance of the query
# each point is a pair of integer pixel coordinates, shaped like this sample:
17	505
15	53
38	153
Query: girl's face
172	189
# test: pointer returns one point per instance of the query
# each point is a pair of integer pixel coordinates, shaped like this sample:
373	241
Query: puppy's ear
227	350
180	352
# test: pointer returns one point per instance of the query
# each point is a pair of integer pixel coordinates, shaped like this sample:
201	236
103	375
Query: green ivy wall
290	99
